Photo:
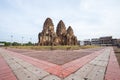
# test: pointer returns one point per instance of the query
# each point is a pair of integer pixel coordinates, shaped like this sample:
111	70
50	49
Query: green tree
29	44
16	44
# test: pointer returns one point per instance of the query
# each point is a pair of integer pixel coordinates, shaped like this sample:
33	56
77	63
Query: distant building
106	40
2	44
81	43
95	41
103	41
87	42
118	42
114	42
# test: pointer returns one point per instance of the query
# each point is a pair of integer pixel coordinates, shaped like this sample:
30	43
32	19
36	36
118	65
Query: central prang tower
62	36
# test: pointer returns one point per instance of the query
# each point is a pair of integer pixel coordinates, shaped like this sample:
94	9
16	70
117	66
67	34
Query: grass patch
89	46
54	47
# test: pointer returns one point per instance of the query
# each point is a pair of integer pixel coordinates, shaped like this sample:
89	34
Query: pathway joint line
97	64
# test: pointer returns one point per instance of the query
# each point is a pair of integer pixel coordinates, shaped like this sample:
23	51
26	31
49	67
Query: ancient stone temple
61	32
47	35
61	37
71	39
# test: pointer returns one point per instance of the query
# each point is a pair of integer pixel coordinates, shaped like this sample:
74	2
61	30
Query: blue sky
88	18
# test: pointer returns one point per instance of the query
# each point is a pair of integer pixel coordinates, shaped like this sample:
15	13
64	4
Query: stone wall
62	36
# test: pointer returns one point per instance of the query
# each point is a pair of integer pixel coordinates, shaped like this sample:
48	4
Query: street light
22	40
31	40
11	39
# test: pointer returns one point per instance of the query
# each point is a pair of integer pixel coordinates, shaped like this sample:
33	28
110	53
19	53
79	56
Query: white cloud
89	18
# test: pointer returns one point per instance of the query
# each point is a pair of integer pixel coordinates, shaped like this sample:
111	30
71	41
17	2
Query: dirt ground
117	52
56	56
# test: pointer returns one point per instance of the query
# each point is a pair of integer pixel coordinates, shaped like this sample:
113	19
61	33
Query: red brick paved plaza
88	64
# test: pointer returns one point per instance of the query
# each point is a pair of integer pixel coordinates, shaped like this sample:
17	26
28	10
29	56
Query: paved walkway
100	65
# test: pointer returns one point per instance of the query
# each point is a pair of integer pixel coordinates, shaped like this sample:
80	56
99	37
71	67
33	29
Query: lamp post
11	39
22	40
31	40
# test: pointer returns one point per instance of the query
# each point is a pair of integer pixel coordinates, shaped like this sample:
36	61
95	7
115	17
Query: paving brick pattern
24	70
100	65
58	57
113	69
93	70
5	72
